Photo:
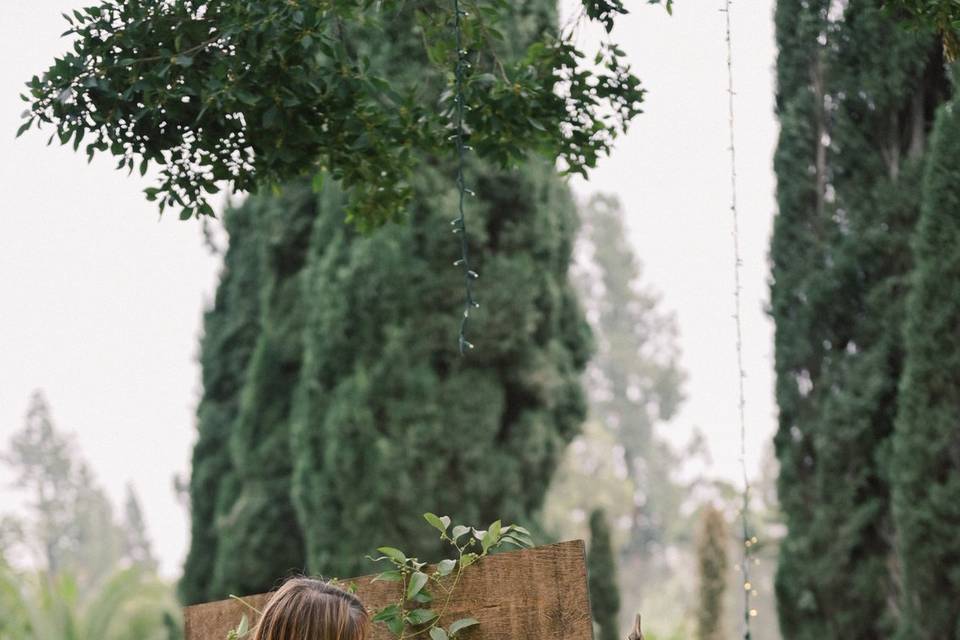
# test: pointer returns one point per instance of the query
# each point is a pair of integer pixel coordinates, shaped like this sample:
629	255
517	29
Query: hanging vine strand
460	223
749	540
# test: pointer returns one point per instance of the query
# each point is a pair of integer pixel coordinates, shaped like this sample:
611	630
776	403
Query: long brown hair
308	609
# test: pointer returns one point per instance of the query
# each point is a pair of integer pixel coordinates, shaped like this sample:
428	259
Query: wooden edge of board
560	601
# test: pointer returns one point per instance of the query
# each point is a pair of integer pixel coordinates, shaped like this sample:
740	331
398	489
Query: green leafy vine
411	616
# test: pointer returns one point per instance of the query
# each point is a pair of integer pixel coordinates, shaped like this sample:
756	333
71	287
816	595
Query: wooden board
534	594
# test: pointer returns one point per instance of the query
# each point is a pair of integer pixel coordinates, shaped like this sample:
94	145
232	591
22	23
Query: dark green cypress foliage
854	98
602	572
926	445
230	331
386	419
260	540
393	422
712	565
796	257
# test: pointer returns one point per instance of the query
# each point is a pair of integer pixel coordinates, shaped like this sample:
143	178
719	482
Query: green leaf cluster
416	612
250	94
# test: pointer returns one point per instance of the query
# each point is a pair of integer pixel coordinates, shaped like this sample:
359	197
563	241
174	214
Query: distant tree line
69	566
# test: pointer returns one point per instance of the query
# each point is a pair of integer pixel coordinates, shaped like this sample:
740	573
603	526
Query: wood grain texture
534	594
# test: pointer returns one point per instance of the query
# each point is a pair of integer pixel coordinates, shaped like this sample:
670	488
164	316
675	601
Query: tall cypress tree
230	331
137	548
382	420
602	570
926	445
855	98
393	422
260	540
712	565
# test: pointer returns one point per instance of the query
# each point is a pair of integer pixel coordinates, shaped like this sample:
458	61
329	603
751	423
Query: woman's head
307	609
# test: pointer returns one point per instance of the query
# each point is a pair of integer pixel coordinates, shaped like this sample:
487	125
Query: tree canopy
254	93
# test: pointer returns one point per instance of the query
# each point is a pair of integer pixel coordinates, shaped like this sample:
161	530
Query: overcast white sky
101	302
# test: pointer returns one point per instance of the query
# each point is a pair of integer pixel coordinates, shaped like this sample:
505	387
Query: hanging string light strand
749	540
460	222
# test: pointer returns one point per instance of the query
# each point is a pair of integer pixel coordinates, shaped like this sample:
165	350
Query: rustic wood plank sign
533	594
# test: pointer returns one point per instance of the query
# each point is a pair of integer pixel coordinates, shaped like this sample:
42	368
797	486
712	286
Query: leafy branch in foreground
411	615
250	94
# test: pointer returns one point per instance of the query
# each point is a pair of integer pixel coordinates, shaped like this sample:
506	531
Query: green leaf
436	522
24	127
420	616
389	576
423	597
491	537
183	61
417	581
519	540
271	118
388	613
459	530
445	567
244	626
438	633
467	559
394	554
395	625
462	624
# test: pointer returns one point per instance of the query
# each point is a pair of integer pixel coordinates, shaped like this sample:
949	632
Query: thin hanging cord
460	223
748	539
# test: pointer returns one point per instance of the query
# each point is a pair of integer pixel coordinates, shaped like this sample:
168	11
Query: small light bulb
747	586
753	613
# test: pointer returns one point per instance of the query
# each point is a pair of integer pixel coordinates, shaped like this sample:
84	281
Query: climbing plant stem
460	223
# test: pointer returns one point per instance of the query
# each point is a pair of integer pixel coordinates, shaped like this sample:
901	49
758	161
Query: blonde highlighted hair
308	609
